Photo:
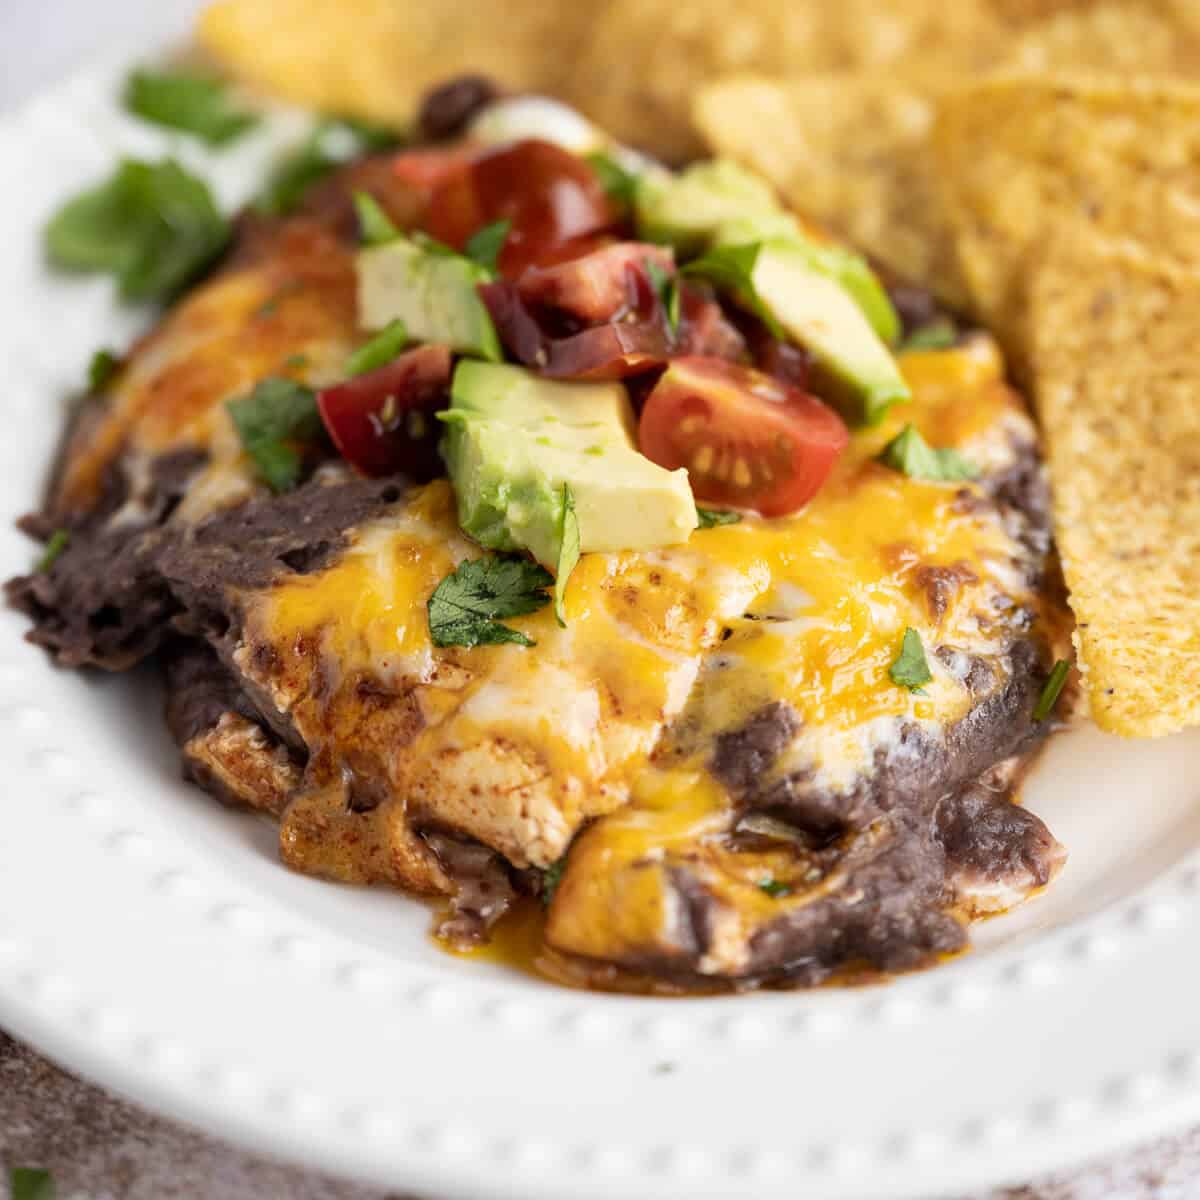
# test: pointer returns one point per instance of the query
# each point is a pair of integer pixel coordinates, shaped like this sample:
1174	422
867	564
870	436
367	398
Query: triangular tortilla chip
1117	378
1018	154
852	151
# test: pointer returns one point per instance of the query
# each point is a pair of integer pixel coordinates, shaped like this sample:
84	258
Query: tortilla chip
850	150
1141	36
1027	12
646	58
1118	386
1017	154
375	58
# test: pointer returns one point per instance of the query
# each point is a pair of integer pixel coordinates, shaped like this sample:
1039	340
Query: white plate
149	938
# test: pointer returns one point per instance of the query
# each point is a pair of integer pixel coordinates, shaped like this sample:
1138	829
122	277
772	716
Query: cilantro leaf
666	287
551	878
374	225
29	1183
716	516
1053	689
732	268
618	183
54	547
939	334
273	417
484	245
911	669
331	142
152	225
568	552
103	366
774	888
196	104
465	607
381	349
910	454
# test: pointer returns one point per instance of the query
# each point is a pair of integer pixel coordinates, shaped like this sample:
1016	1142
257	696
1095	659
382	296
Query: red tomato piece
548	194
595	286
747	439
383	422
425	169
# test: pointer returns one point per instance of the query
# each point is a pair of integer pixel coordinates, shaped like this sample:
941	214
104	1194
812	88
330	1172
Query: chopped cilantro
103	366
152	225
381	349
374	225
30	1183
910	454
716	516
568	552
551	878
1053	689
196	104
270	420
732	268
620	184
911	669
466	607
54	547
485	244
939	334
331	142
666	287
774	888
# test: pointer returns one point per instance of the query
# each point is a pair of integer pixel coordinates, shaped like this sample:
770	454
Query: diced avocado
432	292
839	262
820	314
514	439
686	209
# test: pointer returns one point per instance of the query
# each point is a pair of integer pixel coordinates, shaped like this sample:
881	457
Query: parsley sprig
911	668
910	454
274	421
154	226
467	607
192	103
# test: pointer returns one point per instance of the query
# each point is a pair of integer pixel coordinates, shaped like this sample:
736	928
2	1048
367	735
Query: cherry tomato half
383	422
548	194
746	439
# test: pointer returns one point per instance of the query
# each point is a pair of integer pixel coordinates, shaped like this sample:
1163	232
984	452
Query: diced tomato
548	194
383	422
426	169
596	285
747	439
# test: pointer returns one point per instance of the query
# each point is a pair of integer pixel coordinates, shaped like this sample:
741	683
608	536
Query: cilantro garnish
196	104
618	183
716	516
1053	689
30	1183
774	888
551	878
666	287
466	607
152	225
381	349
332	142
939	334
568	552
732	268
273	417
103	366
910	454
911	669
374	225
485	244
54	547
